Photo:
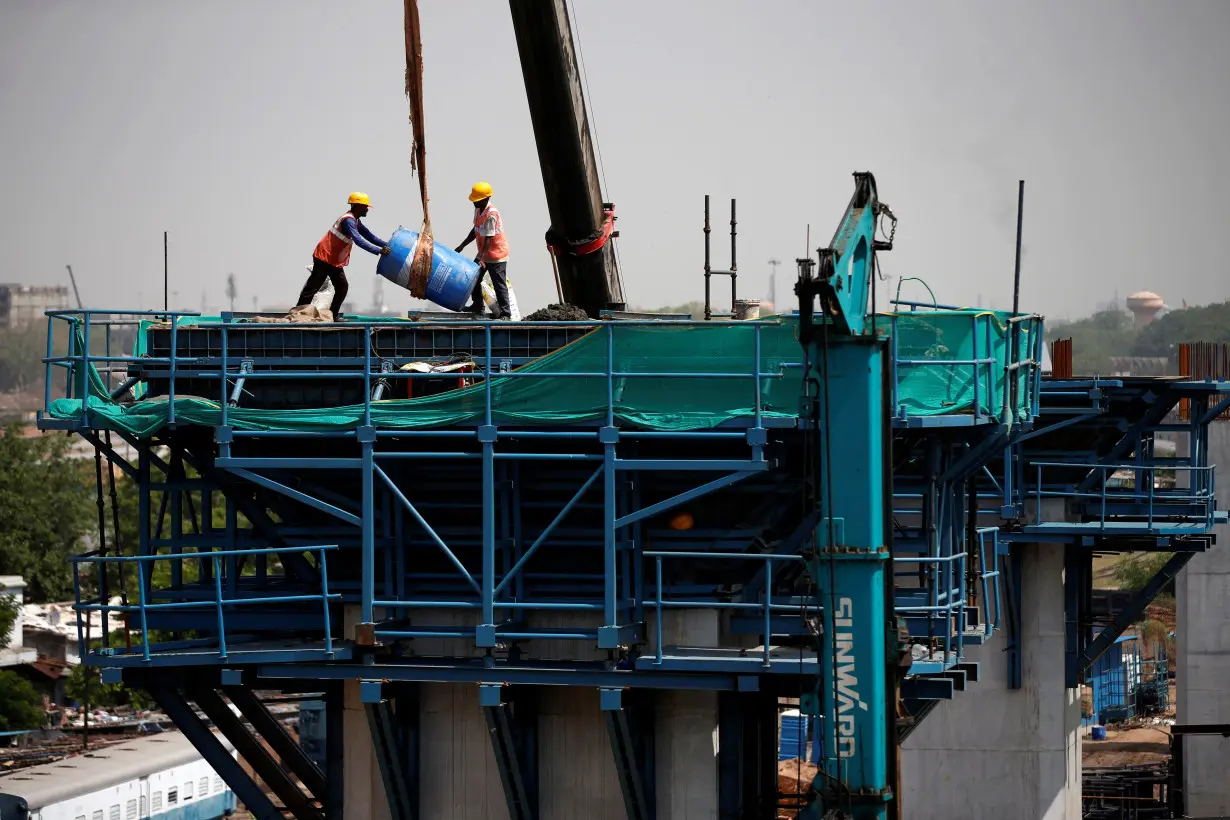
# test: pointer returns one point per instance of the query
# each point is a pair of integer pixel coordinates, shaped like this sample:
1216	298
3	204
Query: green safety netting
692	393
941	337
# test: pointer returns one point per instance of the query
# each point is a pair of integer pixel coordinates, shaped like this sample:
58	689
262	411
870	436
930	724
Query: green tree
103	695
45	511
1136	569
127	502
8	616
21	358
1095	339
1210	323
21	706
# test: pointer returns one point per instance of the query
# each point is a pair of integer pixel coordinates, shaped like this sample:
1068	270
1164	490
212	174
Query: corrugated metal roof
75	776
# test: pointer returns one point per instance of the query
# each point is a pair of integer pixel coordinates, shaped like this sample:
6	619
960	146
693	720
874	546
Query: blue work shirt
361	236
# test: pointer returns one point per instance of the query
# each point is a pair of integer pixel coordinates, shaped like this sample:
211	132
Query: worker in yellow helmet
488	231
333	252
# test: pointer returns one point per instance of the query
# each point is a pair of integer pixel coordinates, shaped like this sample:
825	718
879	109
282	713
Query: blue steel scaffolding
280	549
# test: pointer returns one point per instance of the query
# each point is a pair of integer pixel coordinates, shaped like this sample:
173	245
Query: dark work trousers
320	271
499	280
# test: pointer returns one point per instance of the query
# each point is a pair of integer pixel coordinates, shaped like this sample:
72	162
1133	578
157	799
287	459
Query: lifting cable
420	266
592	122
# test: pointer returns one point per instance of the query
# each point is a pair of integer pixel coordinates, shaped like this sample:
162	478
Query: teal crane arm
847	412
843	280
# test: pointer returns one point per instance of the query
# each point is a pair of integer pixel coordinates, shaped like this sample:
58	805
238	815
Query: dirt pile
558	313
1128	746
794	778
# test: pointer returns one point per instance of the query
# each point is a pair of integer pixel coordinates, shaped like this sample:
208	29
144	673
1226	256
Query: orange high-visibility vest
490	236
334	247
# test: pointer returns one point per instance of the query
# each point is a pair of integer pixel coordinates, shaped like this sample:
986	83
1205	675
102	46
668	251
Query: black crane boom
588	275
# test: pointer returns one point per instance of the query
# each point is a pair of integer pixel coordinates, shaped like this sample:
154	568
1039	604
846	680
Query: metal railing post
218	600
77	594
225	398
756	372
324	600
768	609
48	366
85	370
141	603
171	380
977	373
367	375
368	526
658	601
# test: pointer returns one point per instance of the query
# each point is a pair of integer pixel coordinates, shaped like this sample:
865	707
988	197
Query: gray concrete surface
1202	663
993	752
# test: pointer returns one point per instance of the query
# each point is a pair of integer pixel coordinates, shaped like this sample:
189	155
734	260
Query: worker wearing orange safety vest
332	253
488	232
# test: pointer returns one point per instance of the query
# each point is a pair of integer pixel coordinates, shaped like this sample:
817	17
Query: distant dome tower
1145	305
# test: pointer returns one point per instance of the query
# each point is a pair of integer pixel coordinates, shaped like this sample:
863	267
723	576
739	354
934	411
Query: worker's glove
385	251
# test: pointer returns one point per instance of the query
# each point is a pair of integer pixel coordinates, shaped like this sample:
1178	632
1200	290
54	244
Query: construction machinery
582	225
650	532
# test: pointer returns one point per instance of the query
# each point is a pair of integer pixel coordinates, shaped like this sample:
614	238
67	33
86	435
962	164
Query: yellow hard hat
481	190
359	198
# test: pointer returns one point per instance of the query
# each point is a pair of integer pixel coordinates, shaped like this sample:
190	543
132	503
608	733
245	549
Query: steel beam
292	493
1012	570
335	749
517	778
918	709
408	714
215	754
292	559
254	753
563	675
624	748
1133	609
403	805
283	745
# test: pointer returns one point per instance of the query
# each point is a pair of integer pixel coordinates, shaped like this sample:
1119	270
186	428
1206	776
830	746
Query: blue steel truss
501	579
506	537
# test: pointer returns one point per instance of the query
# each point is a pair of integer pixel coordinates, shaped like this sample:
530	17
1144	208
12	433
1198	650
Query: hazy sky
241	126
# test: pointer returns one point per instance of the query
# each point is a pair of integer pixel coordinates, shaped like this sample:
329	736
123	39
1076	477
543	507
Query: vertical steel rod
368	580
708	307
734	269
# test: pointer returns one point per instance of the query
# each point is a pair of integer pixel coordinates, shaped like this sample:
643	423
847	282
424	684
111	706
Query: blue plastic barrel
1099	733
452	275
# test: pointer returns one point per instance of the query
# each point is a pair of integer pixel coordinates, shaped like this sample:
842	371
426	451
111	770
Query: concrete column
363	795
686	729
576	776
1202	663
1000	753
458	777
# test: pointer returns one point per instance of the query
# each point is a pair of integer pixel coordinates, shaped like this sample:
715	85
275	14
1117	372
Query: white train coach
158	777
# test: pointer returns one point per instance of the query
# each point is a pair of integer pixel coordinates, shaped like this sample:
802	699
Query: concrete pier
996	752
1202	663
458	775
